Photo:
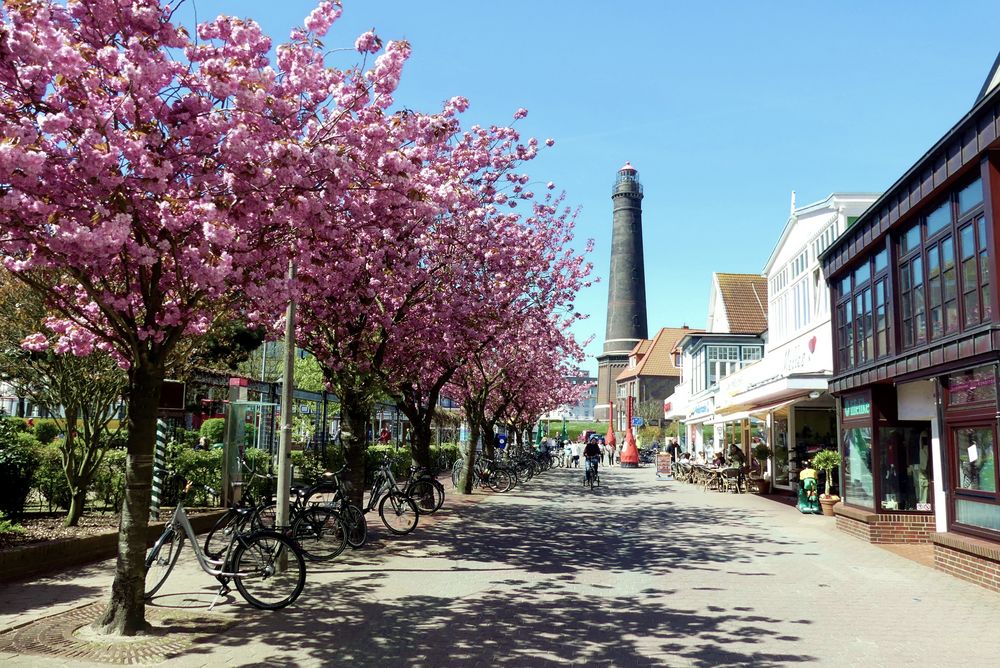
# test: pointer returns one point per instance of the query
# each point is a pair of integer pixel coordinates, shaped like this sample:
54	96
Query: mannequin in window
890	476
921	469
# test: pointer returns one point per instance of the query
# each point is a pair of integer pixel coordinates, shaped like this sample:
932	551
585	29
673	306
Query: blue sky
723	107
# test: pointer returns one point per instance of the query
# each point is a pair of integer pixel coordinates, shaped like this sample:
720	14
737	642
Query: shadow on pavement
550	616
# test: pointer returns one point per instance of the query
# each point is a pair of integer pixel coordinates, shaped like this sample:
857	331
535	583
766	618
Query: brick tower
626	286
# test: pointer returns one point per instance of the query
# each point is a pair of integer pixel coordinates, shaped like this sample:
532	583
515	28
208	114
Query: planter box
53	556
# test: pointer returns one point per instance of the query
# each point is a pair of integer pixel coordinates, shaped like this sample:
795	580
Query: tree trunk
489	438
126	613
355	411
78	500
466	478
420	442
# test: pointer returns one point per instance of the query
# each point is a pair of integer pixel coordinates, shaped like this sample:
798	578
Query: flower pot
763	485
827	503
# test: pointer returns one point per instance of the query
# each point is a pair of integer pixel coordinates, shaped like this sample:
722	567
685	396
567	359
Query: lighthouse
626	324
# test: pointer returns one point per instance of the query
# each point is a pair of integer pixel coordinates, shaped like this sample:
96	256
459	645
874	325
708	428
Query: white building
783	399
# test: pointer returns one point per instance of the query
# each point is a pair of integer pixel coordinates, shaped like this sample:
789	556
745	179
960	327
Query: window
970	404
752	353
859	482
975	272
824	239
799	264
974	457
862	316
800	305
905	468
939	297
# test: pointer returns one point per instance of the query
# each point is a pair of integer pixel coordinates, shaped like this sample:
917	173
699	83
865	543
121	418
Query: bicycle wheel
499	480
265	517
320	533
161	559
424	495
259	576
357	532
221	535
439	488
398	513
456	472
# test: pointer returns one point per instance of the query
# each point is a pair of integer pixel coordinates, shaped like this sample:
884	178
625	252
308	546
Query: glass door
780	452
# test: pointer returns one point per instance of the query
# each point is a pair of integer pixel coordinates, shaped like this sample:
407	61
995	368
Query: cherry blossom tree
146	181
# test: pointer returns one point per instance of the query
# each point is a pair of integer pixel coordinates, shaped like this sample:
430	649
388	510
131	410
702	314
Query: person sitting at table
699	458
718	461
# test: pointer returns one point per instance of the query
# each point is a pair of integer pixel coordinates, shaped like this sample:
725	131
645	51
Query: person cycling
592	455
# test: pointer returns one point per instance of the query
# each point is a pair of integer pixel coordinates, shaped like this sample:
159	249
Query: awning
767	408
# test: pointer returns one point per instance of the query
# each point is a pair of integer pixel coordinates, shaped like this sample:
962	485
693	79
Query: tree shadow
524	590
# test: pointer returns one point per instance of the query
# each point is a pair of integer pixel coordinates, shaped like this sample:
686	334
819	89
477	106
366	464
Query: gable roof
658	359
744	298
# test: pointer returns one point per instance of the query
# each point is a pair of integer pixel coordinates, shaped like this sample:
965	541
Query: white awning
764	410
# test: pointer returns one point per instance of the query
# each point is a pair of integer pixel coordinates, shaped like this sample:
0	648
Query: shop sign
664	466
855	407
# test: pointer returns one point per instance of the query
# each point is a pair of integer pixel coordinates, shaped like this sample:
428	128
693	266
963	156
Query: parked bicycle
331	492
398	511
320	532
267	567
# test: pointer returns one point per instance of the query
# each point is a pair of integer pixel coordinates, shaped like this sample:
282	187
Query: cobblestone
638	573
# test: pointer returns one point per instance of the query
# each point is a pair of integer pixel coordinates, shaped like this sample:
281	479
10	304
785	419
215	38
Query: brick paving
640	572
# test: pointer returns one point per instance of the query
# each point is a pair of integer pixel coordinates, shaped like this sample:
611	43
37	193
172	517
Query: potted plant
761	453
827	460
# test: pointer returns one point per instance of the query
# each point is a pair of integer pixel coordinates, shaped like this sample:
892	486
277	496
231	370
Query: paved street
639	573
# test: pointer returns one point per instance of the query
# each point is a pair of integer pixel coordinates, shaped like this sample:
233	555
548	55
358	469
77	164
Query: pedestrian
577	451
384	435
674	449
567	453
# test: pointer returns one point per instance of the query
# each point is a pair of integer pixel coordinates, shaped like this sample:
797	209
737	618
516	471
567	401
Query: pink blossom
321	18
520	113
368	42
35	342
550	142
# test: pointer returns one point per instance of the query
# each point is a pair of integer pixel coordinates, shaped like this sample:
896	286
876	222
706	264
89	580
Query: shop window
974	459
859	482
966	389
905	469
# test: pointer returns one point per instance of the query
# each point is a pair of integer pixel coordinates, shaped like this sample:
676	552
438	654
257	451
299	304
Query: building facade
650	377
584	408
916	340
737	325
783	400
626	325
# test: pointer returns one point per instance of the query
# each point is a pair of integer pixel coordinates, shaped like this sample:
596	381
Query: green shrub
260	461
9	527
200	467
443	456
214	430
50	478
18	461
46	431
109	481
